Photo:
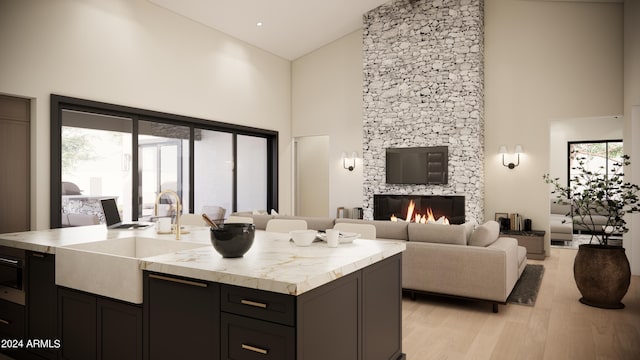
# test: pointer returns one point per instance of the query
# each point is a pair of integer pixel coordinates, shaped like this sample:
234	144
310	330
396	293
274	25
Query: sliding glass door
252	173
95	163
163	165
213	170
101	150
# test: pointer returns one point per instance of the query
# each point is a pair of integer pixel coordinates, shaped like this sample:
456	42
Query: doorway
15	146
311	176
566	135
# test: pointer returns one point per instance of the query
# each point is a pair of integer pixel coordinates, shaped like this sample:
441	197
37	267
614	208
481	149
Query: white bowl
303	237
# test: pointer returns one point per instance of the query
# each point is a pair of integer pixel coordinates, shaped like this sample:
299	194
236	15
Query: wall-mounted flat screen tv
417	165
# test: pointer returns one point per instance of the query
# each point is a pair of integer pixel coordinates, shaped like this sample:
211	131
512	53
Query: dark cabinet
382	310
355	317
77	324
11	320
119	330
329	321
42	303
93	327
257	324
248	338
182	318
258	304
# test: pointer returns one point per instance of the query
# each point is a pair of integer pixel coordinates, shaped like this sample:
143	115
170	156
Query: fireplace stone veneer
423	86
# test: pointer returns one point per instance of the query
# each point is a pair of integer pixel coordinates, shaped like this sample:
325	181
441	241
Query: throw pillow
485	234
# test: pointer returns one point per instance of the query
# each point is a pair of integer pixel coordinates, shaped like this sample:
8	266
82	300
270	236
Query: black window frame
571	143
60	103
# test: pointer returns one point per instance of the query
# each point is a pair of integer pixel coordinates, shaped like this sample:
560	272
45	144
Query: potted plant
601	270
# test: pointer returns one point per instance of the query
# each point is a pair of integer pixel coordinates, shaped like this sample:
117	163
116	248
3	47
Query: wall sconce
349	163
518	150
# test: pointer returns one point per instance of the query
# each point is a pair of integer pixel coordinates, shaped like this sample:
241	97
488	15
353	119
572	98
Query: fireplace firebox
450	206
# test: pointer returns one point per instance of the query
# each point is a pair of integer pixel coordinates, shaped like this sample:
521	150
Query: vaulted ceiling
289	28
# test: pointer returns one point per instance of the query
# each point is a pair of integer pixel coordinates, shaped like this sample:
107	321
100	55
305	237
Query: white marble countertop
273	263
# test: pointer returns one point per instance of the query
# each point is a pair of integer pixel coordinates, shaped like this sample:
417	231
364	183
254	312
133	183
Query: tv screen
417	165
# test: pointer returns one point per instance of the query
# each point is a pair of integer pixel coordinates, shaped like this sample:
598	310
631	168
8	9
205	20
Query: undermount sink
112	267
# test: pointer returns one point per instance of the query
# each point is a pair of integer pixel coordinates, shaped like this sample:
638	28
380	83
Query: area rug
526	289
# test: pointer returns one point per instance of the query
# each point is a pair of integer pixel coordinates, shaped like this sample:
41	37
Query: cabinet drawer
247	339
11	320
534	244
258	304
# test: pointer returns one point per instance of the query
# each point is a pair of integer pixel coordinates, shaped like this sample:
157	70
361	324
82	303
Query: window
102	150
597	155
95	163
214	168
163	164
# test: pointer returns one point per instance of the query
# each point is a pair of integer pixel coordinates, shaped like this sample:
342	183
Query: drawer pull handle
255	349
181	281
253	303
5	322
10	262
38	255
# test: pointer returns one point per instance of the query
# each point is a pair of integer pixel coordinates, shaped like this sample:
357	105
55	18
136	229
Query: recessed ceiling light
259	24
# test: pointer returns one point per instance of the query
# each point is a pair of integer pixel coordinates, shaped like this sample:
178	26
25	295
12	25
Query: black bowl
233	240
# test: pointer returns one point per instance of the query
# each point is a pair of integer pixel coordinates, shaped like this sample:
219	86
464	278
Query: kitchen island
278	301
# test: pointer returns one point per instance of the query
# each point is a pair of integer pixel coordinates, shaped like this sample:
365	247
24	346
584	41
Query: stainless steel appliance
12	275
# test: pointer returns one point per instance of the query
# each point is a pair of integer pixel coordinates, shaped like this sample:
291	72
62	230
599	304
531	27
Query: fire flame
426	218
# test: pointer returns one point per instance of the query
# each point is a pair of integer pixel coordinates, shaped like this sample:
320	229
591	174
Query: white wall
632	119
133	53
327	100
543	61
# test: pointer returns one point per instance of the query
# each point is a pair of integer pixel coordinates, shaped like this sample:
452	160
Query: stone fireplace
423	86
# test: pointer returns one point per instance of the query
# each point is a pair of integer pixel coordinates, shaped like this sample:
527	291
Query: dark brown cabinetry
11	320
257	323
382	310
77	325
93	327
42	303
355	317
532	240
181	318
119	330
248	338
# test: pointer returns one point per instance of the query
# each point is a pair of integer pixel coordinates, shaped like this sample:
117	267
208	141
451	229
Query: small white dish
303	237
344	238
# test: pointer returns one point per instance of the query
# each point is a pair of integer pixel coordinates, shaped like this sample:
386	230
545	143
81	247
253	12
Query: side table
532	240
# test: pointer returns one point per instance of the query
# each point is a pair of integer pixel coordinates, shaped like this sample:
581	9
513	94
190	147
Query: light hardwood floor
557	327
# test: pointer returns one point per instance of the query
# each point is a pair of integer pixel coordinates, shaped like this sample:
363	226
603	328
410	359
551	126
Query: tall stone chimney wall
423	86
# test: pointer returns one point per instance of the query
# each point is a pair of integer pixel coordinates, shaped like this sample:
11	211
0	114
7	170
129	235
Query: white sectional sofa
560	222
468	260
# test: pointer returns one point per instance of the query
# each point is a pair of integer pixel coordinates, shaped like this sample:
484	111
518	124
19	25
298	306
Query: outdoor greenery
76	146
610	150
598	192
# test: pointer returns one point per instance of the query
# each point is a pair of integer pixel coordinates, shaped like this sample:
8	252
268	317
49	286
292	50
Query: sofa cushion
314	223
438	233
469	227
485	234
560	209
261	221
385	229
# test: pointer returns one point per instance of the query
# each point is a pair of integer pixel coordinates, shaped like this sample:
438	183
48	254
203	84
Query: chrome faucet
178	208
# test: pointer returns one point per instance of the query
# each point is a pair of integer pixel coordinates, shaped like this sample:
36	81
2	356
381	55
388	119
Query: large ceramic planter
602	274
